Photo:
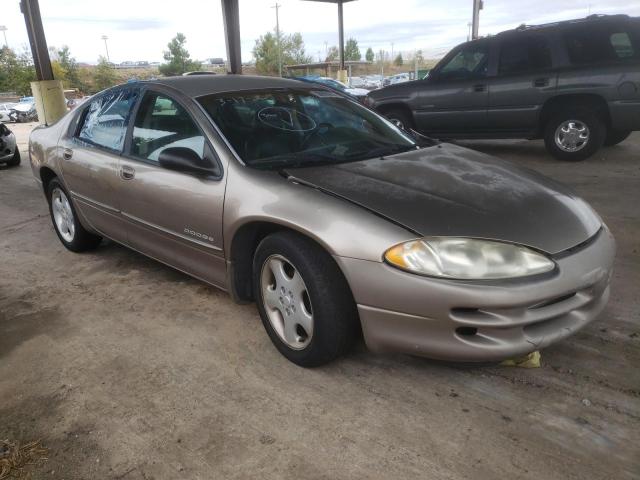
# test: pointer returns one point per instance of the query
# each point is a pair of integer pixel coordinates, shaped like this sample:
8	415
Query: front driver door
173	216
455	98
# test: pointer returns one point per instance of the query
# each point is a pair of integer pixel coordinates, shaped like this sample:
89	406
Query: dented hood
451	190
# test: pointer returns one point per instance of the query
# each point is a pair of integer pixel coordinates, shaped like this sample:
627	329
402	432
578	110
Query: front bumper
480	322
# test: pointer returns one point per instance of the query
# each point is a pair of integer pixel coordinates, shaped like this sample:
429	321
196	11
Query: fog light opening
466	331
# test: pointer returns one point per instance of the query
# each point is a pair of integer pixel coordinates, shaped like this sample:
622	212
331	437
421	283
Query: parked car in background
576	84
394	79
358	93
357	82
24	111
373	81
5	110
330	218
9	153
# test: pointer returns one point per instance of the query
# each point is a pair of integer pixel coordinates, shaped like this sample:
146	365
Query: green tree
70	67
16	71
265	52
398	61
369	56
104	75
333	55
178	58
351	50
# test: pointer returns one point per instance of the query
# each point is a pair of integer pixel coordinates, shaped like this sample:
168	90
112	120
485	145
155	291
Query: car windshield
298	127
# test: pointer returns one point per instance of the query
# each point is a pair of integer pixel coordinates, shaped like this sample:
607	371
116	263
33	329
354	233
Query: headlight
467	258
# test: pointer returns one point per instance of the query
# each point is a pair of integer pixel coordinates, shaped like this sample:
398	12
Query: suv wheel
304	301
574	135
15	160
65	221
614	137
400	118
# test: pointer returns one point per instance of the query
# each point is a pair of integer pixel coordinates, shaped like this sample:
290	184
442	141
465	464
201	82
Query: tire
65	220
15	160
573	121
333	325
400	118
614	137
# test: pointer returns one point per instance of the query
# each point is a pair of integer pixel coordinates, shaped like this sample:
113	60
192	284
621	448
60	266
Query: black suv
575	83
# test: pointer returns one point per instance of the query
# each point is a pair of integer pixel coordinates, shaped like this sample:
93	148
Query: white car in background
5	108
399	78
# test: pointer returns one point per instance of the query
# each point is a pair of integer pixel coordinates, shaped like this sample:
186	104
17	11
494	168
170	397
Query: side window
469	63
162	123
621	44
106	118
523	54
591	46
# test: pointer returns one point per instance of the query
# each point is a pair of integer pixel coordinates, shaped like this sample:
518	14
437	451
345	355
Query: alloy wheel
286	301
63	215
572	135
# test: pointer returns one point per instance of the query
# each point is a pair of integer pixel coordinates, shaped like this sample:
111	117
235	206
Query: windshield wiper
301	159
381	151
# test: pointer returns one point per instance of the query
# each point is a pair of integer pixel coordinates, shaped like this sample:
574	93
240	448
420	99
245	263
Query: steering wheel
314	133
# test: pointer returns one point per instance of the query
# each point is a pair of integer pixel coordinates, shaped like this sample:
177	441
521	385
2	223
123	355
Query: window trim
128	139
83	115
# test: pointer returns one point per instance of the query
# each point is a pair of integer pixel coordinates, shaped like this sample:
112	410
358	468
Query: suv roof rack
595	16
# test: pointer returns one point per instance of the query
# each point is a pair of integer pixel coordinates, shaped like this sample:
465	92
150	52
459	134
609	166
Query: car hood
451	190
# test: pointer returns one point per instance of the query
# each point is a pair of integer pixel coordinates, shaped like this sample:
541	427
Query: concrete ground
127	369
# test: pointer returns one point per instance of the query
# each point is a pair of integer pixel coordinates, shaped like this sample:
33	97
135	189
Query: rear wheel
15	160
65	220
304	301
574	135
400	118
614	137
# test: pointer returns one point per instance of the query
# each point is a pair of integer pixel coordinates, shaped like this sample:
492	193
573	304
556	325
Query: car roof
199	85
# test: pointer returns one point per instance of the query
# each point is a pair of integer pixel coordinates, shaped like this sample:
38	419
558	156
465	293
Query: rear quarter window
590	45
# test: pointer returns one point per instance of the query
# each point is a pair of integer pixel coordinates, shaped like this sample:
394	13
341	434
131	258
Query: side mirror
182	159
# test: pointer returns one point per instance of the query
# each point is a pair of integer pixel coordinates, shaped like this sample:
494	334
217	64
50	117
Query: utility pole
277	7
105	38
477	6
4	29
469	32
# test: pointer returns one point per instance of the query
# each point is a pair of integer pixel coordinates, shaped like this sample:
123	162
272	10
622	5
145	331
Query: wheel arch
591	101
46	175
242	248
395	105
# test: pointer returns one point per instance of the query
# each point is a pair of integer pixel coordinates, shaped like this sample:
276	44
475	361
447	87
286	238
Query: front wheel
304	301
65	221
400	118
614	137
15	160
574	135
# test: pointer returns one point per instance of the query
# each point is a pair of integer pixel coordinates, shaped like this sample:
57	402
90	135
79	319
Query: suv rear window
524	54
587	46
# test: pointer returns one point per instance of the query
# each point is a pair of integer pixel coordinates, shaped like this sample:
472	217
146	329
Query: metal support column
477	6
341	35
231	16
31	11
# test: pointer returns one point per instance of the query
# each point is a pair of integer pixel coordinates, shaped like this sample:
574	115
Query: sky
140	29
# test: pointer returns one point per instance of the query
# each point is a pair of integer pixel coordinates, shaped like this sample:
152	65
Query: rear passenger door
90	161
173	216
525	79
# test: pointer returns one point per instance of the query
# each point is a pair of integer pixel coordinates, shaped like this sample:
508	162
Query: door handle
67	153
541	82
127	172
479	88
